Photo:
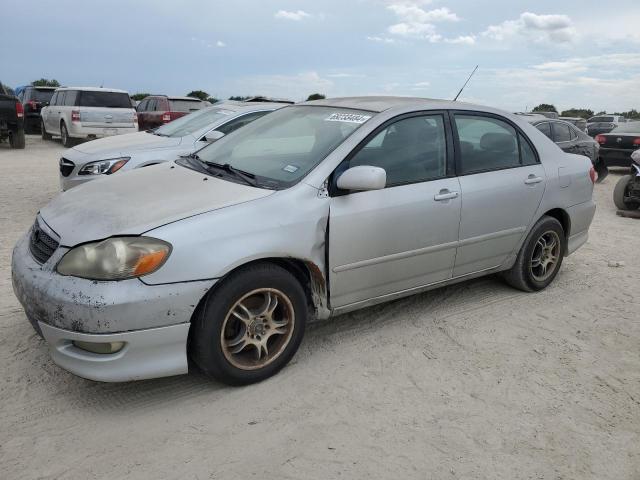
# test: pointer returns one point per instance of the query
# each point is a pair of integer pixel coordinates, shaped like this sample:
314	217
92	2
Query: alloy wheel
545	256
257	328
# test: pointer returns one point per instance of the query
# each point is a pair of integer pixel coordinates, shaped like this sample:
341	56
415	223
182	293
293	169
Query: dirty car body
368	200
106	156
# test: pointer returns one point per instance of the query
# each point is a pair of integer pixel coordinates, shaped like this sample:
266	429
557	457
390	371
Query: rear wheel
43	131
64	135
621	194
540	257
250	326
16	138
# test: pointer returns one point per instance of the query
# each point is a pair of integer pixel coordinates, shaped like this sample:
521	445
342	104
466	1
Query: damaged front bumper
152	320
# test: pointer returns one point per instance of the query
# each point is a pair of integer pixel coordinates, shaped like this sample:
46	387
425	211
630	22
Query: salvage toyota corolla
314	210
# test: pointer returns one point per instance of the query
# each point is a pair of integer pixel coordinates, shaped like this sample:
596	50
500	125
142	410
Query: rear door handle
532	179
445	194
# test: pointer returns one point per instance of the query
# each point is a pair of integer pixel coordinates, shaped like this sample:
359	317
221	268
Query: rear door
502	183
403	236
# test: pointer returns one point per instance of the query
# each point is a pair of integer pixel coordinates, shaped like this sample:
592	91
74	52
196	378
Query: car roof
246	106
94	89
382	103
193	99
42	87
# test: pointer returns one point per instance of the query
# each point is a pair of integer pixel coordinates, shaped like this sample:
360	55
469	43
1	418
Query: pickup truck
11	118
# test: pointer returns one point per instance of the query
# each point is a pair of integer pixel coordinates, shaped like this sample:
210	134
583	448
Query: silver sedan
183	136
314	210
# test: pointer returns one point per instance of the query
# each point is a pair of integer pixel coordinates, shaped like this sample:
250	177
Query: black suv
11	118
33	99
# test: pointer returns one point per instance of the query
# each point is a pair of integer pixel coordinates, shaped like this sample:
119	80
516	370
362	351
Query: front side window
410	150
282	147
486	143
561	133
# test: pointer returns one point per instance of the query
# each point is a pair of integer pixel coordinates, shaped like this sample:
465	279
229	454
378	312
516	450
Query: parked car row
294	212
604	124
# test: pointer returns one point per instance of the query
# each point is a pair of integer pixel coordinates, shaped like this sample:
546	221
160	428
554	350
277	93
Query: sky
571	53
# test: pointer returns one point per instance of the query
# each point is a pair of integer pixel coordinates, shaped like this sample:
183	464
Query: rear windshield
43	95
185	105
630	127
88	98
194	121
601	120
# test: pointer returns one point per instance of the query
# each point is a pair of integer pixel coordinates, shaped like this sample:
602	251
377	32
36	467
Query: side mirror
363	178
212	136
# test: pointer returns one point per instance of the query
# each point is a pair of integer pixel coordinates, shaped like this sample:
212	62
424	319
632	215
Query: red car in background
156	110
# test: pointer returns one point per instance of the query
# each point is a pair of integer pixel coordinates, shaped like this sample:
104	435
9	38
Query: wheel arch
563	217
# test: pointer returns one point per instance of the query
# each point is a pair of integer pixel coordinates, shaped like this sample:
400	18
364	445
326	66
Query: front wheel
250	326
621	194
540	257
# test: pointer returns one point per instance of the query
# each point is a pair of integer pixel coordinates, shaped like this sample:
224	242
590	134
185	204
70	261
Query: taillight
75	116
601	139
19	110
636	141
135	117
166	118
593	175
33	104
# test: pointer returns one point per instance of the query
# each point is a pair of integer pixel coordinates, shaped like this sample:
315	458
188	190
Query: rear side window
90	98
526	151
561	133
185	105
410	150
486	143
545	128
70	98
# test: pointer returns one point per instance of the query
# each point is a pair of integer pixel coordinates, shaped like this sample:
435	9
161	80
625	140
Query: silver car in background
183	136
314	210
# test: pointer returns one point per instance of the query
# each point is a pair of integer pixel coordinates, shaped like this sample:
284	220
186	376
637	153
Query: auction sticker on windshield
347	117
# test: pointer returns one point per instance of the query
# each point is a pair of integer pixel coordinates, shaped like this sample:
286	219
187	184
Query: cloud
295	16
539	28
220	44
416	22
381	39
345	75
462	40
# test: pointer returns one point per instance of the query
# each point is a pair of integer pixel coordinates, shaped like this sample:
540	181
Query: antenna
465	83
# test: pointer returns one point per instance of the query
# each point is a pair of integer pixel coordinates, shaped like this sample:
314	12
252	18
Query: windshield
194	121
92	98
282	147
601	120
181	105
41	95
631	127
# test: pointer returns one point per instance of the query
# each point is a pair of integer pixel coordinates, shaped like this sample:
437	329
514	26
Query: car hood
130	142
140	200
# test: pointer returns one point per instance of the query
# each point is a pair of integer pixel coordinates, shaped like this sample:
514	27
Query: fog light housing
104	348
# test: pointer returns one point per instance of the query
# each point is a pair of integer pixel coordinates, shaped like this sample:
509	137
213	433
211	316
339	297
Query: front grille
41	245
66	167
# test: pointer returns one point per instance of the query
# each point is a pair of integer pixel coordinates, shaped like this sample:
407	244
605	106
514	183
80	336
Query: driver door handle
445	194
532	179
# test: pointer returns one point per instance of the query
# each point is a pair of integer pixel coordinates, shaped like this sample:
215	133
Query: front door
502	182
403	236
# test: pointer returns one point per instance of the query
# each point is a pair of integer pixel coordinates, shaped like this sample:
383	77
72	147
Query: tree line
585	113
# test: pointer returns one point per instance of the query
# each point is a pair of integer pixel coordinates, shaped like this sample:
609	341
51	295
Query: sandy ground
472	381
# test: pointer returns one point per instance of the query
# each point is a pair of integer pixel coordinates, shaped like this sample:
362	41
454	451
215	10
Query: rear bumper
79	131
614	157
151	353
580	216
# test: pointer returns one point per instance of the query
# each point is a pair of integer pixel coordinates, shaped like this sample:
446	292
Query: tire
43	131
524	275
619	193
216	333
16	138
67	141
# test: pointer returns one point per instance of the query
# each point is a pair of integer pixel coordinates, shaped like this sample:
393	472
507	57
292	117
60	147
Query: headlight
115	258
106	167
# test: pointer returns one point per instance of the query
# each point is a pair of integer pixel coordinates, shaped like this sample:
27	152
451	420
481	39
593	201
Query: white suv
88	113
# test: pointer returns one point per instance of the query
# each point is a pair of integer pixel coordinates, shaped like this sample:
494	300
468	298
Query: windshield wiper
248	178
